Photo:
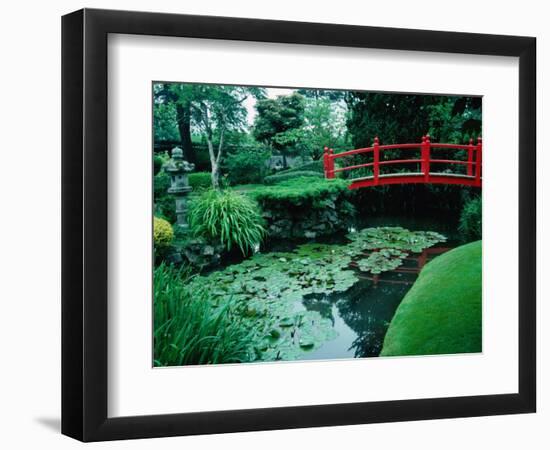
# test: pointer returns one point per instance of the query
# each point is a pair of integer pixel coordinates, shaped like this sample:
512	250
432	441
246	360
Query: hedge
280	177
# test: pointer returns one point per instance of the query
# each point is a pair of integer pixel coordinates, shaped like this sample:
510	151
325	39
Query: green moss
314	166
441	314
298	191
281	177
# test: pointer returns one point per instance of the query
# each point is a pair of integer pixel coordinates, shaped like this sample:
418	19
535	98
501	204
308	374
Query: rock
208	250
308	221
174	258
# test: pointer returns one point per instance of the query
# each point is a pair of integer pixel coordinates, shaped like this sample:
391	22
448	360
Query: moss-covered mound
304	207
441	314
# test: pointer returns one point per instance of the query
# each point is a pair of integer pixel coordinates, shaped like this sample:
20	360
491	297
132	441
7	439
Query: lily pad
270	287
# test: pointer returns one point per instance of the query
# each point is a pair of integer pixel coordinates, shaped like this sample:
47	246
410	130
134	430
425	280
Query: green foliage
441	314
246	165
188	329
470	220
313	166
278	121
157	164
165	125
382	261
270	288
396	238
325	125
280	177
214	111
299	191
161	183
163	234
165	206
401	118
200	180
228	217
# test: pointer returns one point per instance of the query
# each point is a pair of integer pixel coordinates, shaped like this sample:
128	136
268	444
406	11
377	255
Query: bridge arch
423	160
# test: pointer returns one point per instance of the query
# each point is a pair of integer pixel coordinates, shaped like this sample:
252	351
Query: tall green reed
188	330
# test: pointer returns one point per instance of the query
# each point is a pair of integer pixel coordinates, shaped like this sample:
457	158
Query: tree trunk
183	117
215	173
285	162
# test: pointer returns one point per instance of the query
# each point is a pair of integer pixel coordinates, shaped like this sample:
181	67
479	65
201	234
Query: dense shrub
161	183
280	177
189	330
165	206
157	164
470	220
312	166
163	234
299	191
200	180
228	217
246	166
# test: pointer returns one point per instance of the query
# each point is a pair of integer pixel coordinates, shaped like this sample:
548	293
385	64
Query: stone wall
309	220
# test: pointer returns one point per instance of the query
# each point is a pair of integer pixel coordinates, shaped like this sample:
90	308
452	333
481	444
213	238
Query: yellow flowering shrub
163	234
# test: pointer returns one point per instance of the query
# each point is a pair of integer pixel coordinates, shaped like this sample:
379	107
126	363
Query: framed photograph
273	224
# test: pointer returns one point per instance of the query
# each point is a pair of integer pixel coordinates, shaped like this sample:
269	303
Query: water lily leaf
271	287
286	322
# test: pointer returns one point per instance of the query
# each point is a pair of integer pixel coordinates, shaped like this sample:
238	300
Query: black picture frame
84	224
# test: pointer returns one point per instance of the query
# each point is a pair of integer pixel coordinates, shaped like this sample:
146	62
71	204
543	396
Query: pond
361	315
329	300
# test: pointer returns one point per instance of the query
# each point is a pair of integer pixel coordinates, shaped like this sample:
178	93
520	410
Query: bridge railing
473	162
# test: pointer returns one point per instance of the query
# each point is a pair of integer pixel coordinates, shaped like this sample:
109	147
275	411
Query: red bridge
423	163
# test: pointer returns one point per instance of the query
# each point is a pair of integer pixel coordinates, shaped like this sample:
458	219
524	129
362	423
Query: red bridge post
376	161
328	162
469	168
478	161
425	156
331	163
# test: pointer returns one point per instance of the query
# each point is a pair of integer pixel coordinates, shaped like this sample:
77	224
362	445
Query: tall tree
178	97
217	110
324	125
278	121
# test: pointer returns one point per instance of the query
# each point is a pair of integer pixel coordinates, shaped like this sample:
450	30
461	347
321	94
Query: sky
271	93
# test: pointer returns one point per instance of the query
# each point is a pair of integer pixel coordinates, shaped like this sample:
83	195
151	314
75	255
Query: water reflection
362	314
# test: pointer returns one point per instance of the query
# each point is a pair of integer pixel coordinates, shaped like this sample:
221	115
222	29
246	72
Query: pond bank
441	314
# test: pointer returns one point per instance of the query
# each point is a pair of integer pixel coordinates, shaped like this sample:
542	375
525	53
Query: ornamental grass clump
228	217
189	329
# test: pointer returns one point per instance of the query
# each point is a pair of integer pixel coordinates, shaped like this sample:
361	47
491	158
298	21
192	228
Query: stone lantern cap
177	165
178	169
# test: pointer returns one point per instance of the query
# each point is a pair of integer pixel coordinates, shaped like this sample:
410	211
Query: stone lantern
178	169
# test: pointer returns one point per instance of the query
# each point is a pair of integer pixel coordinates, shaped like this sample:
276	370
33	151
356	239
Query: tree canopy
278	121
400	118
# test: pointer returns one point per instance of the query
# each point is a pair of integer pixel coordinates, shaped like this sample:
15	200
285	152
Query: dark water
362	314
